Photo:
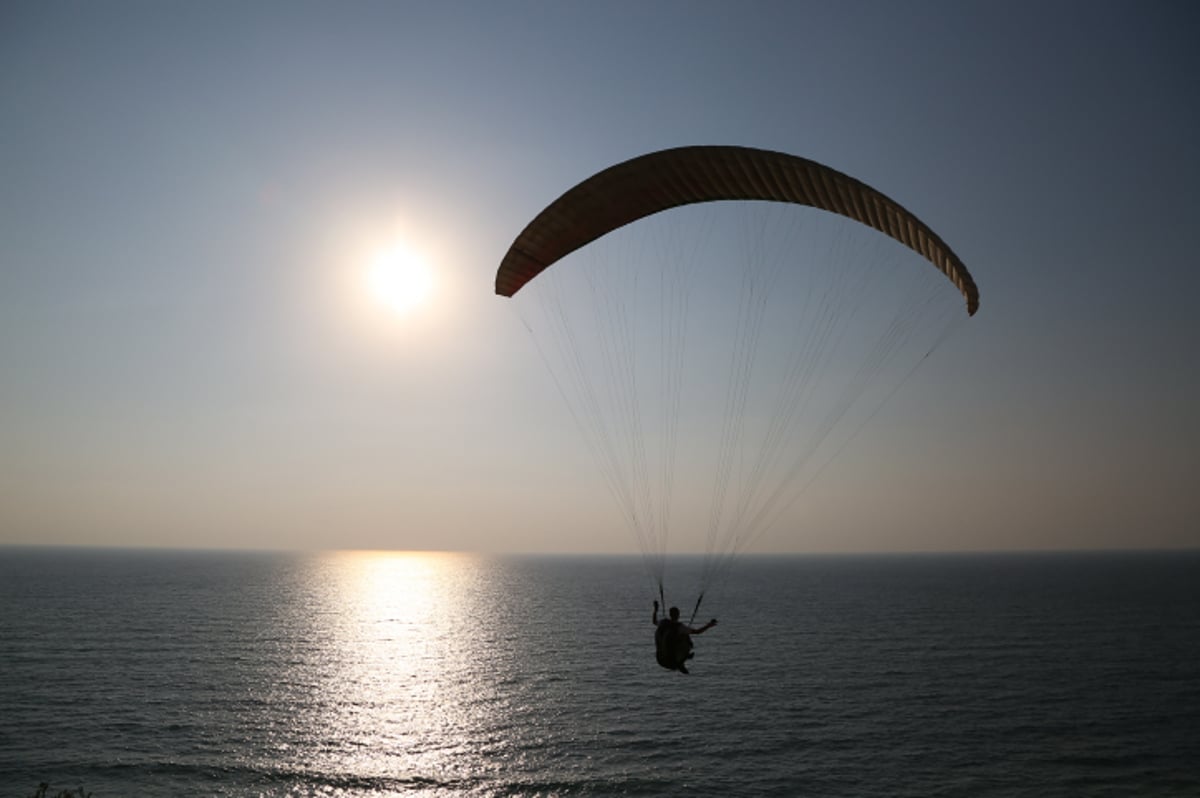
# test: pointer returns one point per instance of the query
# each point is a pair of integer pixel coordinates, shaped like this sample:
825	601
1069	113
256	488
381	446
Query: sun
400	280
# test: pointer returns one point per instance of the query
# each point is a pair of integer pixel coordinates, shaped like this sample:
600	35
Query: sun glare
400	280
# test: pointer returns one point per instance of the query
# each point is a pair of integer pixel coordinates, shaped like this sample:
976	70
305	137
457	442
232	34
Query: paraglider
803	334
673	639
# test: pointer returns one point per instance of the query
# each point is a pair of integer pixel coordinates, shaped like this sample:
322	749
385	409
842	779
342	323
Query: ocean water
373	674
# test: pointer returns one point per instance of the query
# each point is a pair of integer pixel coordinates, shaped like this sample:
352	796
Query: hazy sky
189	193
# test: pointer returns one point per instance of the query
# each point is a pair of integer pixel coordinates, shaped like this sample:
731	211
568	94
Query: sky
190	194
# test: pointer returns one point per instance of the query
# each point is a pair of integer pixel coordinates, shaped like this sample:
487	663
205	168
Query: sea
169	673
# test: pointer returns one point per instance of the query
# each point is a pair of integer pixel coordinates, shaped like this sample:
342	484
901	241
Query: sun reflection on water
396	667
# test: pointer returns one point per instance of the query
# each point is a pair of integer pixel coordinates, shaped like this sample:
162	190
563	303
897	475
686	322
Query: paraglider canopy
672	178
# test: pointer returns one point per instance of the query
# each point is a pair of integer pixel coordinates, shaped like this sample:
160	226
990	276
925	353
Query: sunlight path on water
397	648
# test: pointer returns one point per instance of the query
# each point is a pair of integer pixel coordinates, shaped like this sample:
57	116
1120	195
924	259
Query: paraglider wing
672	178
